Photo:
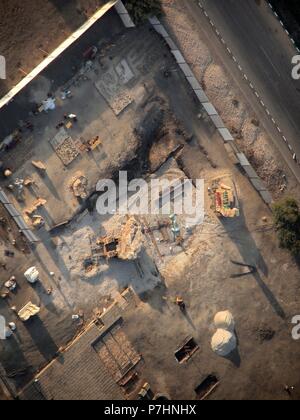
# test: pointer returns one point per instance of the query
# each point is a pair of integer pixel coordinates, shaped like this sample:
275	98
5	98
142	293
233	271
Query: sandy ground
204	276
155	102
31	29
201	272
226	97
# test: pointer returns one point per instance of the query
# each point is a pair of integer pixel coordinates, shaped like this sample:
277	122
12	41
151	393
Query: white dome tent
224	321
223	342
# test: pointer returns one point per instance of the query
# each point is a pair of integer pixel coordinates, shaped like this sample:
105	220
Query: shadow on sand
238	232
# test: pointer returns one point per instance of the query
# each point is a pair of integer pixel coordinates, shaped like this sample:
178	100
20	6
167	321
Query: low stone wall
231	147
18	219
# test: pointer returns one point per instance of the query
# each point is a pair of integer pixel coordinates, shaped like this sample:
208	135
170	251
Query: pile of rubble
31	216
79	186
126	246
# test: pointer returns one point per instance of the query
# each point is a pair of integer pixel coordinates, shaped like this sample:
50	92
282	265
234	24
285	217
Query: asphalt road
264	50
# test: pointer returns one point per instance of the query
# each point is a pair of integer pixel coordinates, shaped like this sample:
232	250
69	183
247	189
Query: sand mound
250	132
216	82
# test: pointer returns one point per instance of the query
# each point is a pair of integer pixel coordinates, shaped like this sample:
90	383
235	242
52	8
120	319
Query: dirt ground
155	114
162	126
31	29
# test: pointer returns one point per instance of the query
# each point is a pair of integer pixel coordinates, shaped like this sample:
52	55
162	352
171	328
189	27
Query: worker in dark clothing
180	303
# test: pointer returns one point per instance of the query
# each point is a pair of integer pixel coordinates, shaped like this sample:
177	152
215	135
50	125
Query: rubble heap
126	246
79	187
131	240
225	199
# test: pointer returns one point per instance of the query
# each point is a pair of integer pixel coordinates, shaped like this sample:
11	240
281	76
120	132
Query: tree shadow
238	232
